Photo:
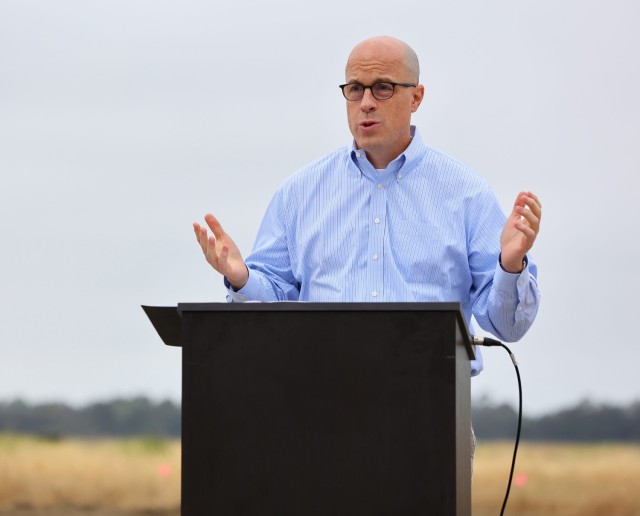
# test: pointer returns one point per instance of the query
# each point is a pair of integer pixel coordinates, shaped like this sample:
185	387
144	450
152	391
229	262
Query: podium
323	409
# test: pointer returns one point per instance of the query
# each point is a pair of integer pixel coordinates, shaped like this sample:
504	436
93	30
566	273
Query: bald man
387	218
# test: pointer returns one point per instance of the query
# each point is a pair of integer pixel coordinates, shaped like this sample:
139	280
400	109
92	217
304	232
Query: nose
368	101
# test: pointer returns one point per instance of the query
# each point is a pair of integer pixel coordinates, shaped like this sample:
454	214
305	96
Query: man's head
381	127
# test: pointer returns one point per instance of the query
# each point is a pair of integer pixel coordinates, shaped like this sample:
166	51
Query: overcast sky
122	122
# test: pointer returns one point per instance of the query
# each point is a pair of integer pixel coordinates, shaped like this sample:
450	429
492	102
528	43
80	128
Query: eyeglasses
380	90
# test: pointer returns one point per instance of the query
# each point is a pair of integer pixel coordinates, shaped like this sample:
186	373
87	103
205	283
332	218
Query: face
381	127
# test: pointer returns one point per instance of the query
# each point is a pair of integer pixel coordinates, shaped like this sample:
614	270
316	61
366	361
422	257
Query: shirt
425	229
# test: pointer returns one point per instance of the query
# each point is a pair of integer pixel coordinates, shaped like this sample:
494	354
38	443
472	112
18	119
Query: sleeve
504	304
269	264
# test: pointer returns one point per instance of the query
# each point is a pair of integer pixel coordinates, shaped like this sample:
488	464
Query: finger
528	203
223	260
529	216
534	204
528	199
521	200
215	226
535	198
528	232
196	230
209	249
203	239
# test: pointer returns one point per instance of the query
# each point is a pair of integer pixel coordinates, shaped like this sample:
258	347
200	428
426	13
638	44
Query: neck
380	158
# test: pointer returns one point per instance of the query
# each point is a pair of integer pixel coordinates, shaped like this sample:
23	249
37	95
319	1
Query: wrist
239	282
513	266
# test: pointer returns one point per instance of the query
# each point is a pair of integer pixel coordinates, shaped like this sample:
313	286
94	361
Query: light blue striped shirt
425	229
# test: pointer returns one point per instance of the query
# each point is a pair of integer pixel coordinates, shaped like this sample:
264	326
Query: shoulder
452	178
312	182
436	166
335	160
321	171
447	168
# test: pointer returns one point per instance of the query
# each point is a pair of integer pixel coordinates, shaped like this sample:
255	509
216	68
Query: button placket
376	240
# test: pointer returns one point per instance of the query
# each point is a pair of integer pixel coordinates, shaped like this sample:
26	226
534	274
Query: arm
506	296
266	275
271	277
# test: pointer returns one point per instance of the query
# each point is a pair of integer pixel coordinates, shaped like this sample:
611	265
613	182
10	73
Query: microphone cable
485	341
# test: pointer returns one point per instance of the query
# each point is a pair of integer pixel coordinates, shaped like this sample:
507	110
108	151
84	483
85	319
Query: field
142	477
558	479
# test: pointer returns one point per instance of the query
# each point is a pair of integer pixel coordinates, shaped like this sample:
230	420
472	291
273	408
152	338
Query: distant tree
119	417
139	416
492	421
586	421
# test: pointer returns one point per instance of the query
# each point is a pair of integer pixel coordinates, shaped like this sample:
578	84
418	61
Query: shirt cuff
247	293
508	282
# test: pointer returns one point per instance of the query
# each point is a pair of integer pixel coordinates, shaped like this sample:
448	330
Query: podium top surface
295	306
167	320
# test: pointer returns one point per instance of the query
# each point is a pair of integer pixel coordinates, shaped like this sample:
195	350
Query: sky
122	122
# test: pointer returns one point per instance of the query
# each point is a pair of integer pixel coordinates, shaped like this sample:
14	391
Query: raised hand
221	252
520	231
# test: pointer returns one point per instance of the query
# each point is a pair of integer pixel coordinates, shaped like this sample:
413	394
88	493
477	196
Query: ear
418	95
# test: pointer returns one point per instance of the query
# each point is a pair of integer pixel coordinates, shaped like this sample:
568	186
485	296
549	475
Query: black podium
327	409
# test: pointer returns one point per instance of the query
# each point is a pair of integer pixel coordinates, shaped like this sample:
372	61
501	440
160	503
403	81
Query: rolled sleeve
251	290
515	301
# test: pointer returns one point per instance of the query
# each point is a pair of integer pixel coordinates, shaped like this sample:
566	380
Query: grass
558	479
126	474
144	474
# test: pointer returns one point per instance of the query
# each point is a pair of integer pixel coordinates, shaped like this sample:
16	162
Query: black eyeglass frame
370	87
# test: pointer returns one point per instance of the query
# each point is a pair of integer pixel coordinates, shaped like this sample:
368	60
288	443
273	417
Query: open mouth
366	124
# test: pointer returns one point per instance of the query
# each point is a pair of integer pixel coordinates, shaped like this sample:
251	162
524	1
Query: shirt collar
403	164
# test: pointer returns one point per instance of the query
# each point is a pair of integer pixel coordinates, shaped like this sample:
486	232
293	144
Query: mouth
368	124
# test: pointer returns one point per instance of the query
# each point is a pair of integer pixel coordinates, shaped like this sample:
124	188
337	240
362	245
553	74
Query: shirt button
375	257
357	154
374	294
519	283
399	176
519	309
379	186
377	221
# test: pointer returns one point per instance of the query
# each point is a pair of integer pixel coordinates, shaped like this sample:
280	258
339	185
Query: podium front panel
316	412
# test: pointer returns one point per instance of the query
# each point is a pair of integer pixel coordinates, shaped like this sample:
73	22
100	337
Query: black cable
492	342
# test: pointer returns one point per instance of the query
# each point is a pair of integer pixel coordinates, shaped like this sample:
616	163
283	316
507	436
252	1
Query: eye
383	87
353	88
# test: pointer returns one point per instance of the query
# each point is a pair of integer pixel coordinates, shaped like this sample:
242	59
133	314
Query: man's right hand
221	252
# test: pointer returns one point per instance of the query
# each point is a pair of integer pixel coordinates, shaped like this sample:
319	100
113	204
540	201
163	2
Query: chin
369	141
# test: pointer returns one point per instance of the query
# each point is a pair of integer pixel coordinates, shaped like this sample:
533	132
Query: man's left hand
520	231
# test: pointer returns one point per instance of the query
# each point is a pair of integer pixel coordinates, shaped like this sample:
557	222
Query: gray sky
122	122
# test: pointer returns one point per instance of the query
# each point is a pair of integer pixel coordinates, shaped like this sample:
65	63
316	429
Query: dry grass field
142	477
558	479
105	477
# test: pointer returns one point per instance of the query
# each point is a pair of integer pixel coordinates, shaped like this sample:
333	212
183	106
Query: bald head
390	49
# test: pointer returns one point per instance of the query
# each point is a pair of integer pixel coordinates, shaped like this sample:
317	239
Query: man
387	218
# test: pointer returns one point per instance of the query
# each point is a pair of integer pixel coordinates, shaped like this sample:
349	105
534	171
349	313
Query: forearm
509	305
262	286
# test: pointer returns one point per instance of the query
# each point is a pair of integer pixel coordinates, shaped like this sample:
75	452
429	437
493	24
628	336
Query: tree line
586	421
140	416
120	417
